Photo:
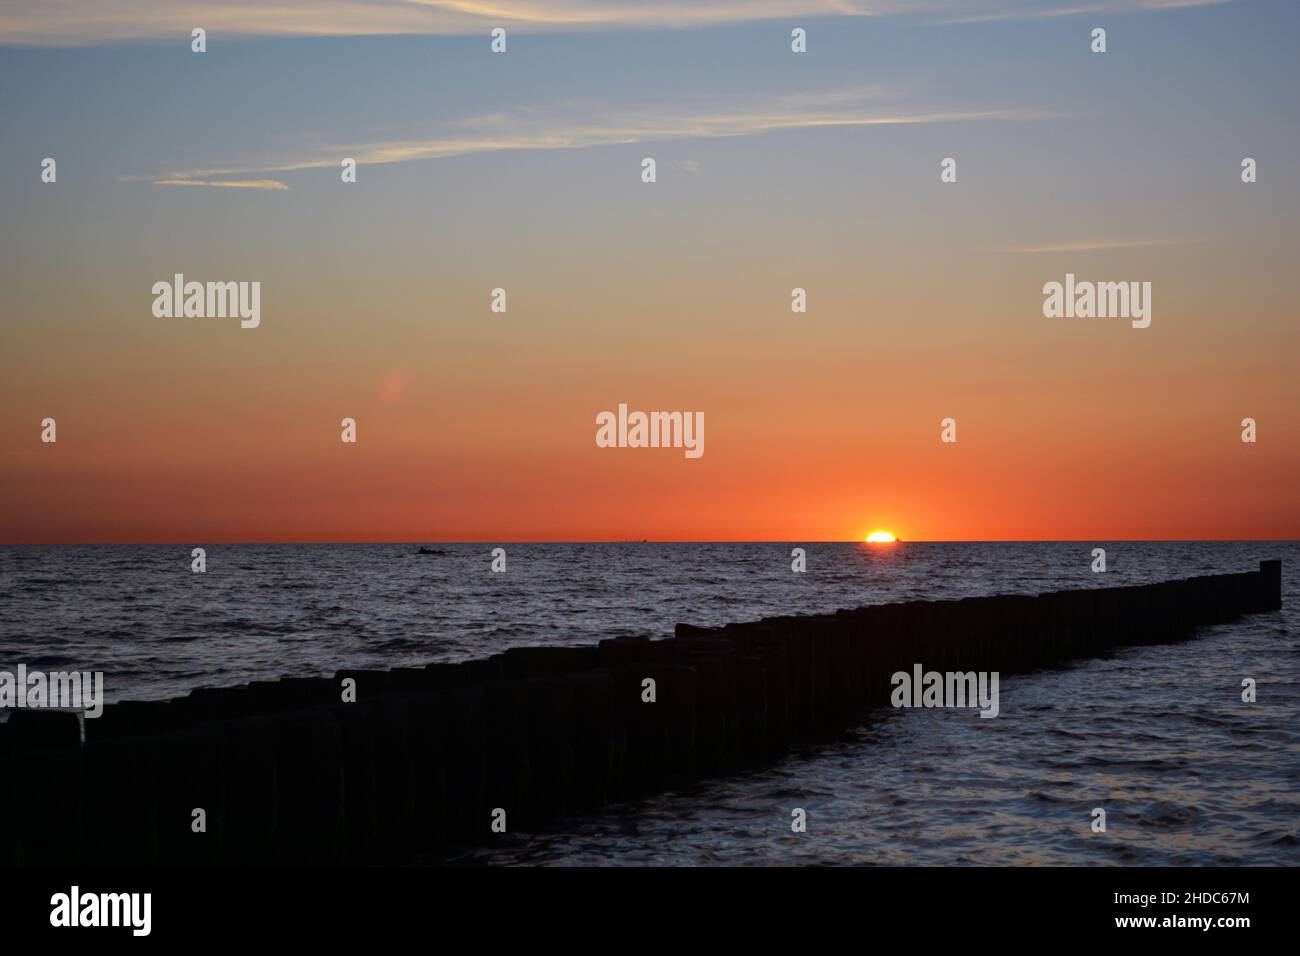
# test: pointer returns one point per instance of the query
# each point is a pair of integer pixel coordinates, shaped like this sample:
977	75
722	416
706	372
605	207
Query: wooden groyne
286	772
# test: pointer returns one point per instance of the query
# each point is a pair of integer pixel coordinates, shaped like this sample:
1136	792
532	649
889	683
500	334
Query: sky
522	171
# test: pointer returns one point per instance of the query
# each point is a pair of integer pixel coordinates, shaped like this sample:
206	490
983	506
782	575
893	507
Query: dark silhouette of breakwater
414	768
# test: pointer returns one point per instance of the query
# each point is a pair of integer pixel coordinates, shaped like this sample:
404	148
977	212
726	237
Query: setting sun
879	537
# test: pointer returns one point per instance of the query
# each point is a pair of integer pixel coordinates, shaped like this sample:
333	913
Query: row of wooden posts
285	772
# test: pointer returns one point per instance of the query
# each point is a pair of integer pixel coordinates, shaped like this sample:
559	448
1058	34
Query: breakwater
285	772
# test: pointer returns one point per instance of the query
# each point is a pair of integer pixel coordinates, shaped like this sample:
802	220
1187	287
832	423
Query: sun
879	537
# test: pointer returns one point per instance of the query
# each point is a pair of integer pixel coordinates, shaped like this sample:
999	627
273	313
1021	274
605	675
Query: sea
1158	736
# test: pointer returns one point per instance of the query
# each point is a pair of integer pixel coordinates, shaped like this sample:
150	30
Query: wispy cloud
1097	245
1040	10
90	22
224	183
650	13
584	125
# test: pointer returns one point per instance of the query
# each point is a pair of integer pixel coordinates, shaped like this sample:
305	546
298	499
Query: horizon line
503	541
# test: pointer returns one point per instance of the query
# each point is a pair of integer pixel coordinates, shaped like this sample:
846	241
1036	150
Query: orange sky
925	299
808	434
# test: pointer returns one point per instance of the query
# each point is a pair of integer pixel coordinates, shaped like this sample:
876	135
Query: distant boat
431	551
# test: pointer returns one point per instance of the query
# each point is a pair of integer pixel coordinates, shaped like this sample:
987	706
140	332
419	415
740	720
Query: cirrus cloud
587	124
90	22
224	183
